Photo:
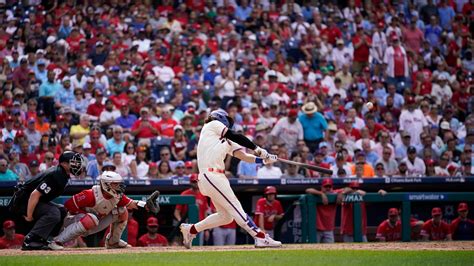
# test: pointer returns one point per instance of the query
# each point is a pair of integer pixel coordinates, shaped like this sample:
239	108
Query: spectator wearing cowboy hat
314	125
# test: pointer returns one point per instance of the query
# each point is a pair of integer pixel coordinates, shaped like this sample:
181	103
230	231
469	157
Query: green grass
260	258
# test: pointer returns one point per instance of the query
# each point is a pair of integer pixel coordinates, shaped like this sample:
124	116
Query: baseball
369	105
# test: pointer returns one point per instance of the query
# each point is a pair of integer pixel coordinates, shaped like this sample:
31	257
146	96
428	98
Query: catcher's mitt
151	202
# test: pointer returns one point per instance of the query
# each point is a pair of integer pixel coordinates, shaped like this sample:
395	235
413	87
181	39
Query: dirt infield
340	246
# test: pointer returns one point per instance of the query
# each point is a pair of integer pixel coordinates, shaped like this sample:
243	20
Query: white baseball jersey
413	122
213	147
102	205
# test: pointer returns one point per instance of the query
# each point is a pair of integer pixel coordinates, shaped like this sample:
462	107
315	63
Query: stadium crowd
129	83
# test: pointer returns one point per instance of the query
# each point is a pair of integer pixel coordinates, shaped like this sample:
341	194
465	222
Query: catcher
92	210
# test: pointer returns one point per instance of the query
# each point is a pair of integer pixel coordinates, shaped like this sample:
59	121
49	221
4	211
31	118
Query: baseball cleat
266	242
33	242
120	244
187	236
34	246
54	245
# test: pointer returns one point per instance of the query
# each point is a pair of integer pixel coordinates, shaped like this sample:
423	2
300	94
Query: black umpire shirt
50	183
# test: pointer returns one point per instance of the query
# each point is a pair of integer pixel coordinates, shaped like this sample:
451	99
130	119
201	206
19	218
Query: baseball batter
217	141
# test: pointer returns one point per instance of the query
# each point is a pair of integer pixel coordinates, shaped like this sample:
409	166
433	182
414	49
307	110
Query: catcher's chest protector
102	205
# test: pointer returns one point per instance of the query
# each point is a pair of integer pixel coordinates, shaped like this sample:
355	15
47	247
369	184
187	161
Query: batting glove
262	153
272	158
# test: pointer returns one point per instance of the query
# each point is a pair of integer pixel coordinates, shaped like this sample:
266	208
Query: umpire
32	200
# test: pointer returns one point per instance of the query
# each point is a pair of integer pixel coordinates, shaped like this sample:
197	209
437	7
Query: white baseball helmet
109	177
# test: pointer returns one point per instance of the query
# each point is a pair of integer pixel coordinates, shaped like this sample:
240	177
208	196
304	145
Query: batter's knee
226	217
89	221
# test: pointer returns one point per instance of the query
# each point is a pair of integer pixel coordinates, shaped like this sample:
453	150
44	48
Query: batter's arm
240	139
246	157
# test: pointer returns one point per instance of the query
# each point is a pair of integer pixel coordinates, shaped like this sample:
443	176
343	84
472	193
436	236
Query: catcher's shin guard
117	227
79	228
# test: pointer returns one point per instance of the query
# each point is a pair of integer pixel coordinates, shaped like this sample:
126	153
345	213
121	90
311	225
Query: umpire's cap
223	117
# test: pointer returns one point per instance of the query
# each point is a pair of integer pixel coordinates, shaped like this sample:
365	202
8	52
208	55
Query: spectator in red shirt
181	211
390	229
179	144
413	37
362	44
95	141
373	127
74	40
10	240
98	106
396	62
326	213
332	31
435	229
25	155
152	238
166	124
352	133
144	129
20	75
268	211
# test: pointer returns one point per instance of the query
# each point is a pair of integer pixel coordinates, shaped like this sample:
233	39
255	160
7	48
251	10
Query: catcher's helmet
223	117
109	177
75	160
270	190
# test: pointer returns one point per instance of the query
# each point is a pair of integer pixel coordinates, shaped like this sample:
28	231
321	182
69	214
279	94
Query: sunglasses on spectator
444	158
164	154
380	168
49	158
3	165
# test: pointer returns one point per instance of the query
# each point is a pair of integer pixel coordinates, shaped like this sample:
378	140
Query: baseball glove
151	202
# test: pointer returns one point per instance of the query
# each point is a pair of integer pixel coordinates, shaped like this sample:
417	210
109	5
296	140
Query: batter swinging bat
309	166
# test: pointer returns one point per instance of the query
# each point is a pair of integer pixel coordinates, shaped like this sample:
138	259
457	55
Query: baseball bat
308	166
